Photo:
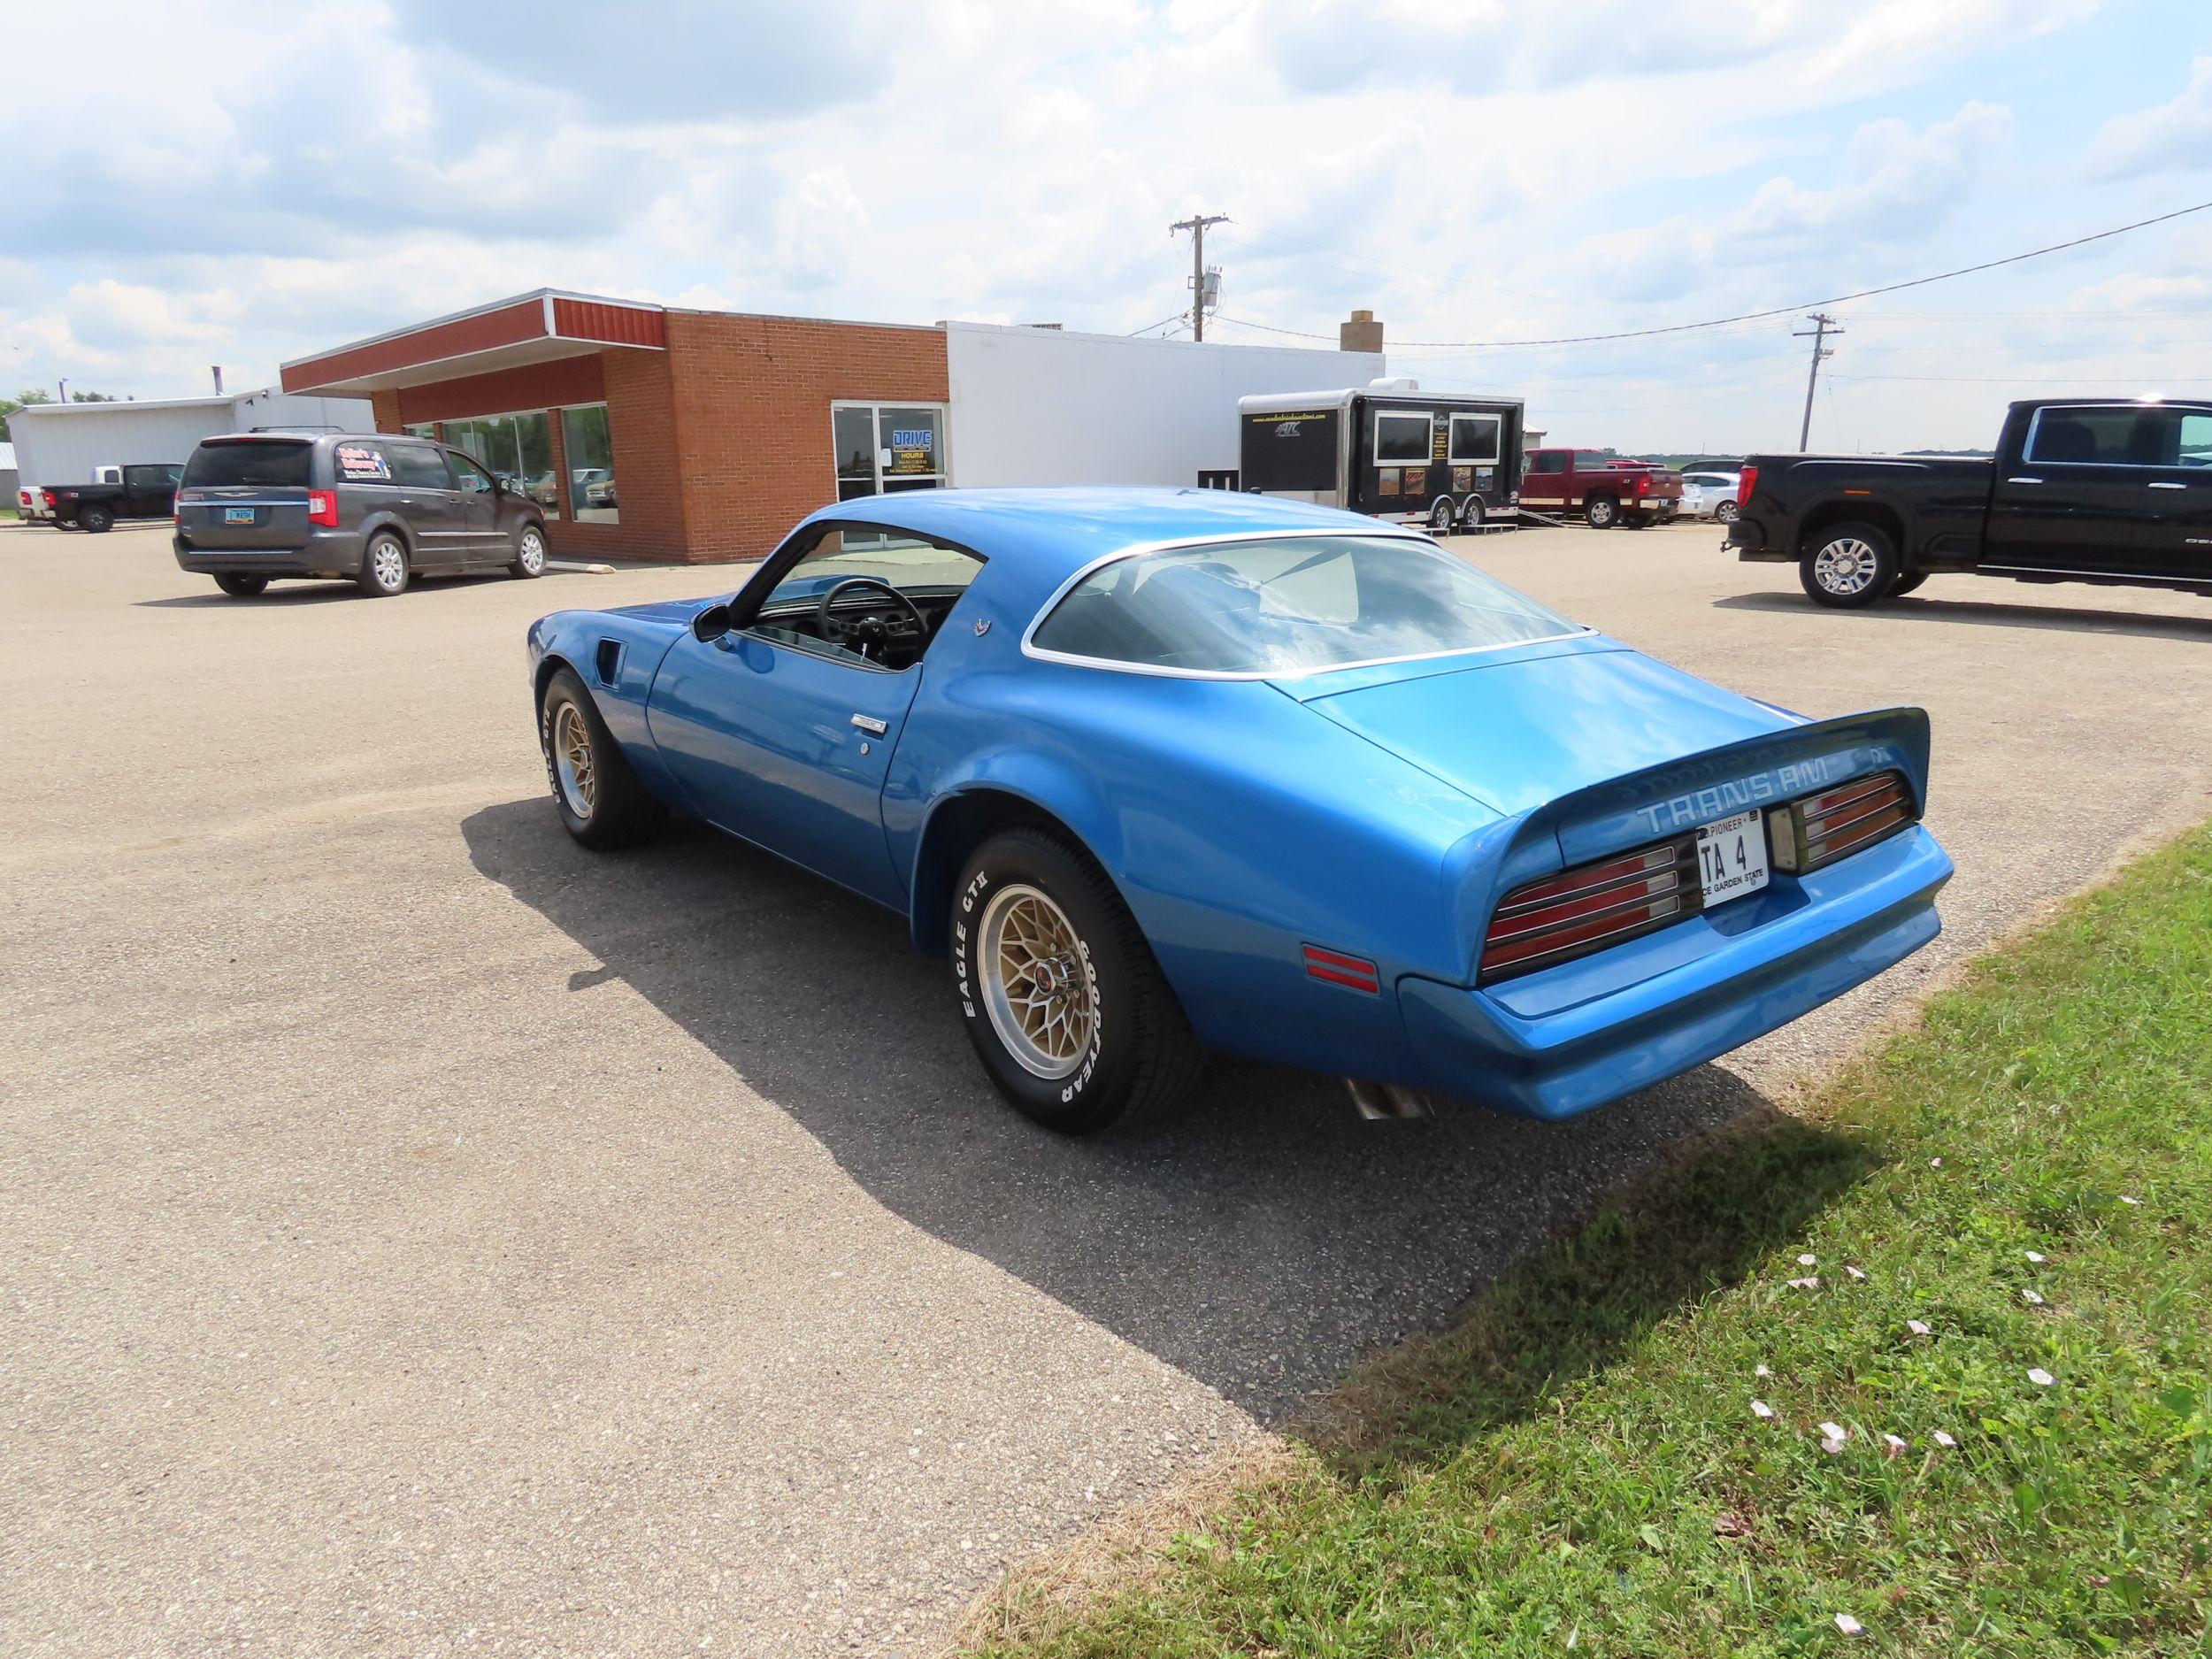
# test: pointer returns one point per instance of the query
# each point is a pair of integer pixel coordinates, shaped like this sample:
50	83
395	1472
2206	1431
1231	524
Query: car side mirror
710	624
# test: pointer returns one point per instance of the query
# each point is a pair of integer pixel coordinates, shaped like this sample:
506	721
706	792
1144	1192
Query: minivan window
468	475
419	466
259	463
354	462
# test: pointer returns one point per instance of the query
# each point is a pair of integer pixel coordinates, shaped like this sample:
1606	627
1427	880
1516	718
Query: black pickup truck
2081	490
147	491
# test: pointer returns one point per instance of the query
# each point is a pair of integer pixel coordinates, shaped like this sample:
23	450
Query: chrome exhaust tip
1377	1101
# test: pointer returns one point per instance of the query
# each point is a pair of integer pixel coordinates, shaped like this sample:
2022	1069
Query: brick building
650	432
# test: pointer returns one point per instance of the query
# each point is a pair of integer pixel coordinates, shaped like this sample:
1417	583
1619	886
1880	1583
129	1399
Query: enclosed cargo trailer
1388	450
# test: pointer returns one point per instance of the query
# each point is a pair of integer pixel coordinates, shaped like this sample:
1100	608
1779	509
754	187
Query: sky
250	182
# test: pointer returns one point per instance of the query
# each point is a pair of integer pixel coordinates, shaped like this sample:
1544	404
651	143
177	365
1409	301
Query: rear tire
241	586
1603	511
95	520
384	566
1440	516
601	802
1066	1007
529	551
1470	513
1848	566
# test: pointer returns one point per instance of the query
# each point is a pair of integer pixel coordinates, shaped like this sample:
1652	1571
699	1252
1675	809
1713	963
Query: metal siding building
62	443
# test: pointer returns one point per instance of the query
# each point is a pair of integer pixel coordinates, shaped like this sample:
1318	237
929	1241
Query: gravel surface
425	1238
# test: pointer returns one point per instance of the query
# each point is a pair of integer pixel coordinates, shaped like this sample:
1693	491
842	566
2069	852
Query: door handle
2160	483
2024	480
870	724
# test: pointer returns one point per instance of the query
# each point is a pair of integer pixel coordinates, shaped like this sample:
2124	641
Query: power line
1149	327
1760	315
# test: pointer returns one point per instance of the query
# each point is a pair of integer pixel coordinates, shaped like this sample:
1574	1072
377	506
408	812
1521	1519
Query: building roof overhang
535	327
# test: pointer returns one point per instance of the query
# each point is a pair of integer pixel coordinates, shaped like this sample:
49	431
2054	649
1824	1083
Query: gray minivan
372	508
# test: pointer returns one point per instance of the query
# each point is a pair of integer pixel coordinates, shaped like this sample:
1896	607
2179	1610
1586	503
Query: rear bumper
1523	1047
1748	538
325	553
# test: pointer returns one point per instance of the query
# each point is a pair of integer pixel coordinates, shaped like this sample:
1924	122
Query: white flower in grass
1810	1282
1760	1370
1855	1272
2134	1203
1935	1163
2031	1298
2038	1257
1892	1446
1834	1432
1760	1410
2041	1378
1942	1438
1808	1260
1849	1625
1918	1327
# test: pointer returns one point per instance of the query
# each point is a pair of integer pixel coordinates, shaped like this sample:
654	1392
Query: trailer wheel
1470	513
1440	516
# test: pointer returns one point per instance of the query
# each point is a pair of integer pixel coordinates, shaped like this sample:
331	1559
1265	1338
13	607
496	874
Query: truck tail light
1746	481
1643	483
322	508
48	494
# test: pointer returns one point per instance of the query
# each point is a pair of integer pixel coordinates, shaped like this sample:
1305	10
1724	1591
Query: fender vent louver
608	661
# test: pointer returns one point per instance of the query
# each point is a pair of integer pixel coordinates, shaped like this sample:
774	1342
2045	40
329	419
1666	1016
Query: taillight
1818	829
1643	483
1746	481
1592	908
50	499
322	508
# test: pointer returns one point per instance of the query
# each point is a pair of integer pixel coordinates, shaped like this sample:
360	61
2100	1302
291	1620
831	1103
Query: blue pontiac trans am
1160	772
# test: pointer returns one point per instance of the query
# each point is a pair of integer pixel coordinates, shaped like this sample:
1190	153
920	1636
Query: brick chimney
1360	333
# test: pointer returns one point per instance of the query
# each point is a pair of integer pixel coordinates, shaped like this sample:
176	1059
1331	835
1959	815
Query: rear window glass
268	465
1289	605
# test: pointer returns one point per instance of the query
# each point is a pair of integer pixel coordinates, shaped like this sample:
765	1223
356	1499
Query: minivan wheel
529	552
95	520
241	586
1063	1002
1604	512
600	800
1848	566
384	566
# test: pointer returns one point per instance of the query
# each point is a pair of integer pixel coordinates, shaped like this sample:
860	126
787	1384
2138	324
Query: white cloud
2171	137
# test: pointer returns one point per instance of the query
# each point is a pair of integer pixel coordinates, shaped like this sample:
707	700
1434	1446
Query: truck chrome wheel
1844	567
1037	986
572	760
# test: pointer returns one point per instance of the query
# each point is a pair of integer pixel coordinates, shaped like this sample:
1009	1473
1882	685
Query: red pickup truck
1603	489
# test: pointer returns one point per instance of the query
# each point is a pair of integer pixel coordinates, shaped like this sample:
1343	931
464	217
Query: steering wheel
868	631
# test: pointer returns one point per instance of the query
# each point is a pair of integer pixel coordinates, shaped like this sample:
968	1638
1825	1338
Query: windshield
260	462
1289	605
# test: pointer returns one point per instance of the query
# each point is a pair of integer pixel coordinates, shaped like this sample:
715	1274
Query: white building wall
1044	406
58	445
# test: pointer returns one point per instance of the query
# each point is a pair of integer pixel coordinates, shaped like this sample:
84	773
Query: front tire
529	552
1848	566
95	520
601	802
1604	511
384	569
1065	1005
241	586
1440	516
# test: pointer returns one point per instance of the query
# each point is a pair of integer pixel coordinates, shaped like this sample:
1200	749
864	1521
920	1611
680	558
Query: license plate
237	515
1732	857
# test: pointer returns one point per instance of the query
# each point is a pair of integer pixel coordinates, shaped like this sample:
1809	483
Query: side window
1550	461
1402	437
2086	437
2195	448
356	463
419	466
472	478
1475	439
930	574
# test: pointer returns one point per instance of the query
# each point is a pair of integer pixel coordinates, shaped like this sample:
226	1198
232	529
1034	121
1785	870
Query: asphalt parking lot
427	1238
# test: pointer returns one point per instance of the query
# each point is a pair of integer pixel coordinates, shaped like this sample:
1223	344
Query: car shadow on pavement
1921	607
1263	1245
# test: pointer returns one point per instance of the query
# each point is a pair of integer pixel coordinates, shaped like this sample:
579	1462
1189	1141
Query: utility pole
1197	228
1823	327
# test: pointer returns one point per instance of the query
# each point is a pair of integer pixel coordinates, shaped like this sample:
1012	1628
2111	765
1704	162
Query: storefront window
883	448
590	465
516	449
422	429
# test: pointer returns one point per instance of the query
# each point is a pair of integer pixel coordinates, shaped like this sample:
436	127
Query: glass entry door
883	448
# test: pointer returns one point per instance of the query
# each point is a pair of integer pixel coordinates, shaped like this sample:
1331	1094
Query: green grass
1578	1468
